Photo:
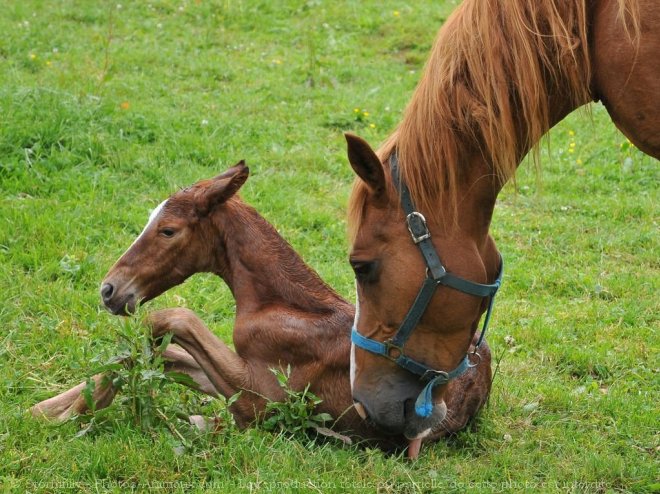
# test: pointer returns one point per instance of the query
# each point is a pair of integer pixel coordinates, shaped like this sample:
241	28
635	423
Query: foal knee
176	320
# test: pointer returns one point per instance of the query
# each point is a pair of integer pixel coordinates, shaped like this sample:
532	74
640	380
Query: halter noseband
436	274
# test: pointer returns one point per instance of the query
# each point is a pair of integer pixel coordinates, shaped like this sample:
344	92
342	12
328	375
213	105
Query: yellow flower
396	13
125	105
578	161
372	125
571	150
571	133
572	144
32	56
356	110
365	113
49	63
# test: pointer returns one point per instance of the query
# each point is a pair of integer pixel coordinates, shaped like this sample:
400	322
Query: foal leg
208	361
178	360
228	372
72	402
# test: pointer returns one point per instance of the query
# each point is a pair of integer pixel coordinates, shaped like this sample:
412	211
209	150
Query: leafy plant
296	415
137	371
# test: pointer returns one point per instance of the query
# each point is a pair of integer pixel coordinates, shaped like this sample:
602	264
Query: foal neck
261	269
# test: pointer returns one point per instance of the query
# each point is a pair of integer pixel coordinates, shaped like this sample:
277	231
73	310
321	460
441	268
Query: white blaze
152	217
357	316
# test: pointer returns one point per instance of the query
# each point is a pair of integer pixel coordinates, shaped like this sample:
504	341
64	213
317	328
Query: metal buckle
392	351
437	279
417	227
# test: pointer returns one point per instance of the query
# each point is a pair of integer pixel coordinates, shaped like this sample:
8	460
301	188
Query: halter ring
393	351
478	361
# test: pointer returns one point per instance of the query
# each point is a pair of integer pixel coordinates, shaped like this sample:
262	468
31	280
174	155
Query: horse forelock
485	90
356	205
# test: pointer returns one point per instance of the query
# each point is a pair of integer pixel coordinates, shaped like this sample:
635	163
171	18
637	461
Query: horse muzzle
397	416
116	301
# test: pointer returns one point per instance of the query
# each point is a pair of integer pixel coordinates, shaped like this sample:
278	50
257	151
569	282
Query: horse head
409	343
175	244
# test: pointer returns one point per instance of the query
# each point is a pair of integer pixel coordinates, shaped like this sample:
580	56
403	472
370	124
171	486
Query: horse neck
482	184
262	269
493	86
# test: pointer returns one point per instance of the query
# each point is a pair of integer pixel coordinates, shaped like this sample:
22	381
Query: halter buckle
417	227
392	351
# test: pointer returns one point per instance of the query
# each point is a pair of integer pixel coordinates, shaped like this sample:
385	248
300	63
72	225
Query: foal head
389	270
175	244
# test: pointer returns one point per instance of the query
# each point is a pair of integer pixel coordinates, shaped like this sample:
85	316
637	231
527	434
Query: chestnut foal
285	314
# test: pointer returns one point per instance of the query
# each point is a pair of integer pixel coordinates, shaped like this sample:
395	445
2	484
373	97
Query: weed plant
296	414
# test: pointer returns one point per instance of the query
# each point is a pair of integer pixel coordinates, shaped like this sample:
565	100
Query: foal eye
167	232
365	271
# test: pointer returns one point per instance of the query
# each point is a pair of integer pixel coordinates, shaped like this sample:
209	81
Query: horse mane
492	67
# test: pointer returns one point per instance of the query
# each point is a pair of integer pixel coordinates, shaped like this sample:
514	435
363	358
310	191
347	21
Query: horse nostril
106	292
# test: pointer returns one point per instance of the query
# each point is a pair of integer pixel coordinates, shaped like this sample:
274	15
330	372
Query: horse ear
365	163
222	187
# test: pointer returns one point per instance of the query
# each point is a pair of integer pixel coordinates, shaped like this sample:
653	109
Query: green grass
104	111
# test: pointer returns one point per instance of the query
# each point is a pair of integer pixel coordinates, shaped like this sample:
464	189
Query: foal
285	314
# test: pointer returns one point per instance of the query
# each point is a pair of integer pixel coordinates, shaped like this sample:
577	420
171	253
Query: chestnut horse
501	74
285	314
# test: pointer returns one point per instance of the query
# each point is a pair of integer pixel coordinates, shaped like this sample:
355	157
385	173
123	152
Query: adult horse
285	314
501	73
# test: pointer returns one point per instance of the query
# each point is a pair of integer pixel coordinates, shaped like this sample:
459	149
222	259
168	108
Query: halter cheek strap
436	274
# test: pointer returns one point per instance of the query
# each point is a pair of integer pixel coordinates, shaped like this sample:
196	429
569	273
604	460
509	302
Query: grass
107	108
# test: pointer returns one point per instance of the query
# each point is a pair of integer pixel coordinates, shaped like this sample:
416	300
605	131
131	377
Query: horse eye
365	271
167	232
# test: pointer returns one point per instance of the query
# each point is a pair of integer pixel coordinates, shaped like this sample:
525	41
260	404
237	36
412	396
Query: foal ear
222	187
365	163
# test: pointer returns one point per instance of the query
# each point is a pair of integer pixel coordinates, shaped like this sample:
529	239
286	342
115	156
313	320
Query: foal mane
485	89
285	276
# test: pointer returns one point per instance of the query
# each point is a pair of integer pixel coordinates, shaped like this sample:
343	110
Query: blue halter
436	274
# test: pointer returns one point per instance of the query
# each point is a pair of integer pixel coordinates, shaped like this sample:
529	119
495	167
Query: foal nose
107	290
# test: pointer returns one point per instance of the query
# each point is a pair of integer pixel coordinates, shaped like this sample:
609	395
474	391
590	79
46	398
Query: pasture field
106	108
